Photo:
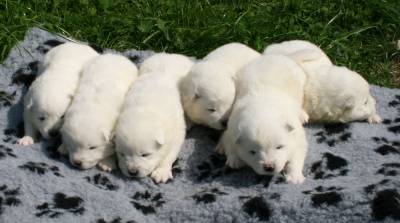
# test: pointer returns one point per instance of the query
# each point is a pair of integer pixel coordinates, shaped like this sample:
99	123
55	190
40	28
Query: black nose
53	133
77	163
133	173
224	123
268	168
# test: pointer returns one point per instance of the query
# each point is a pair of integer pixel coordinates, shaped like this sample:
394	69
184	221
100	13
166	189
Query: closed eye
93	147
145	154
211	109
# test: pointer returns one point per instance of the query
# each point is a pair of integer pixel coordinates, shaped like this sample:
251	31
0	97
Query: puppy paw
374	119
62	150
25	141
295	178
162	174
220	148
105	167
304	117
234	162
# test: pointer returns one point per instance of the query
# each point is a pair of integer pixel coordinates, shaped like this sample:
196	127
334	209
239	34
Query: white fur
151	128
332	93
208	91
90	120
51	93
267	115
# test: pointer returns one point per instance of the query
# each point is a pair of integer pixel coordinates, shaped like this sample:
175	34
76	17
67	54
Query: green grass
359	34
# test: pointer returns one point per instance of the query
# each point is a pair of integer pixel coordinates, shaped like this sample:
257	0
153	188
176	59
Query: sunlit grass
359	34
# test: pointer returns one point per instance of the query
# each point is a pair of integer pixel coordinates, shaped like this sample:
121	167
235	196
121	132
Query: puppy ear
239	139
107	136
289	127
70	96
160	139
28	104
305	55
348	103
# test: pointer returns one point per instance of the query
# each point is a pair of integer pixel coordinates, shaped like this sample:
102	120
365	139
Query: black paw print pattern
102	182
6	152
389	169
330	166
394	125
212	168
8	197
48	44
53	43
387	147
6	99
384	199
61	204
115	220
17	132
26	75
333	133
257	207
41	168
208	195
146	202
321	196
176	169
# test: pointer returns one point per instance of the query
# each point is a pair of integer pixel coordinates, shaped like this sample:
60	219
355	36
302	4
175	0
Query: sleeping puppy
90	120
208	91
337	94
265	128
151	129
51	93
332	93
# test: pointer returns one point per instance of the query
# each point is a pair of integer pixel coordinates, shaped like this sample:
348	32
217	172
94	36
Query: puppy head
208	92
46	112
86	148
352	95
140	149
266	145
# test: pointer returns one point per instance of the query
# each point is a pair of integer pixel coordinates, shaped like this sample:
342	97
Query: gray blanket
352	170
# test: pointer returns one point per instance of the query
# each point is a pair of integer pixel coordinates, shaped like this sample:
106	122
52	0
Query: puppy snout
53	133
133	172
76	162
268	167
224	123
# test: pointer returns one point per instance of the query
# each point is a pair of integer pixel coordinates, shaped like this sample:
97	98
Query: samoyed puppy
51	93
151	129
332	93
208	91
337	94
89	122
265	128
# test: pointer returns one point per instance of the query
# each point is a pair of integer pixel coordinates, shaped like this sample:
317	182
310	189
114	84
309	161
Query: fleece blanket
352	170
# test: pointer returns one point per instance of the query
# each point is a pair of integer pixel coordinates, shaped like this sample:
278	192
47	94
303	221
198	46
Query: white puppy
332	93
151	129
51	93
208	91
90	120
265	128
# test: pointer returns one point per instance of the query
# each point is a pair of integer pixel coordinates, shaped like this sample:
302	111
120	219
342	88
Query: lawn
359	34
